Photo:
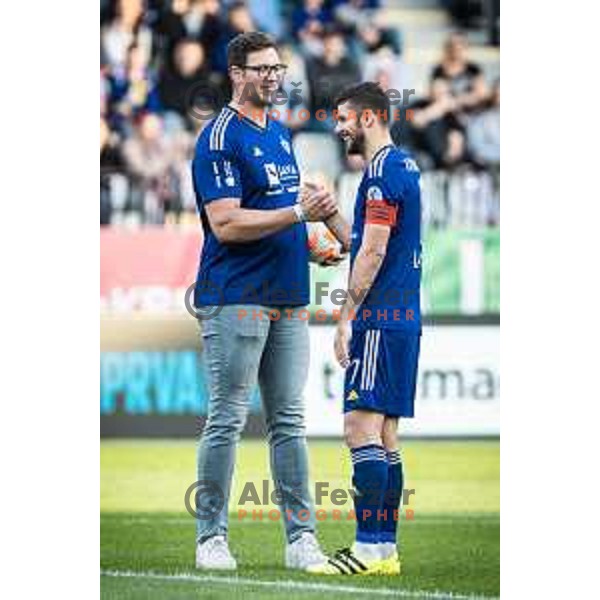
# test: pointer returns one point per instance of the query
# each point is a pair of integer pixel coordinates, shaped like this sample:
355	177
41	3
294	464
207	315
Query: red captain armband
381	212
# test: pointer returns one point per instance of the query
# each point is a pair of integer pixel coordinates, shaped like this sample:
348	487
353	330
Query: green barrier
461	274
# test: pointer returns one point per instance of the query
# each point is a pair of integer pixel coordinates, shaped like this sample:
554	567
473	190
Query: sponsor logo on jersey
256	151
352	396
374	193
272	174
288	171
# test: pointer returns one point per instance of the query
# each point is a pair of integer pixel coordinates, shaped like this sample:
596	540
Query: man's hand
332	262
317	203
341	343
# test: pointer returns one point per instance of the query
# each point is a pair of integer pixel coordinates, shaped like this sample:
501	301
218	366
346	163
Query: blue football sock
392	497
369	481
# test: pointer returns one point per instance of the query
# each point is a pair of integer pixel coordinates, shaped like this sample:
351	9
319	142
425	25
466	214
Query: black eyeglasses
266	70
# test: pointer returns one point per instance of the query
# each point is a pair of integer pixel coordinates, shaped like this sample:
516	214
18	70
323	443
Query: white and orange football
323	246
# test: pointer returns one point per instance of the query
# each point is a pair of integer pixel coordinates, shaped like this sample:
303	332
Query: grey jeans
240	351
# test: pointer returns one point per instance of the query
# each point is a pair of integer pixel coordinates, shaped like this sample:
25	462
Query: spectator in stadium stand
465	13
308	24
182	197
385	67
329	74
465	78
269	14
189	19
364	30
239	20
296	87
104	93
353	12
149	160
123	31
175	82
133	89
435	131
483	131
111	161
110	155
373	38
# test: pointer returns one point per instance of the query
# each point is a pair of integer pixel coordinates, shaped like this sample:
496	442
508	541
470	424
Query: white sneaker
304	553
214	554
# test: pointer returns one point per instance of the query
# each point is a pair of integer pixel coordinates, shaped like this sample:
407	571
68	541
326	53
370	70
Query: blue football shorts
382	375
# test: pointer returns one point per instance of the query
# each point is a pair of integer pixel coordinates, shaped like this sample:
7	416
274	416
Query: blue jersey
393	302
237	158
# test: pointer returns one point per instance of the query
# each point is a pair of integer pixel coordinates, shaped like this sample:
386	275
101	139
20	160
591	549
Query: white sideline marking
288	584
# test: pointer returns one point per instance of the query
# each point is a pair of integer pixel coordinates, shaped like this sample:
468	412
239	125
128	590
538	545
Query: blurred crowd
458	122
157	54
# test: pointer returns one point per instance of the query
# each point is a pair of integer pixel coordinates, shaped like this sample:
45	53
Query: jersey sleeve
216	172
384	194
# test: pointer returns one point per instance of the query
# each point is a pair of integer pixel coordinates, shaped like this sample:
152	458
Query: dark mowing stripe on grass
427	519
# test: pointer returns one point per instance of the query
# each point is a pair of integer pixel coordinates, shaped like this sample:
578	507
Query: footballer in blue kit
378	334
384	347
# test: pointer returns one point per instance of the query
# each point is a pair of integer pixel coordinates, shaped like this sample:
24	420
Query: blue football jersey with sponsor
237	158
393	302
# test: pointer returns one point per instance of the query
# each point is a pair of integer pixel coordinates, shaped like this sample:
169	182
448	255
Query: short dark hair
245	43
367	95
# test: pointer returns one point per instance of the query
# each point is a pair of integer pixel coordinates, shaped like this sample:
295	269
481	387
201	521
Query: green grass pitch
450	550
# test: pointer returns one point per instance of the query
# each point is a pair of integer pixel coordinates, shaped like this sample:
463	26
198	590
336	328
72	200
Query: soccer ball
322	244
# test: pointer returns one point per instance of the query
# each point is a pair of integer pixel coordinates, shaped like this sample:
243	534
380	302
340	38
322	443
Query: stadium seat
119	191
471	200
434	198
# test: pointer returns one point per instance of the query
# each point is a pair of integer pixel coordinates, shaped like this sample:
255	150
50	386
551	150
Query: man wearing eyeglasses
254	265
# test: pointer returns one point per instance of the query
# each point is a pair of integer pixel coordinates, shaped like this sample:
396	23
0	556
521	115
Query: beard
258	96
357	145
264	98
